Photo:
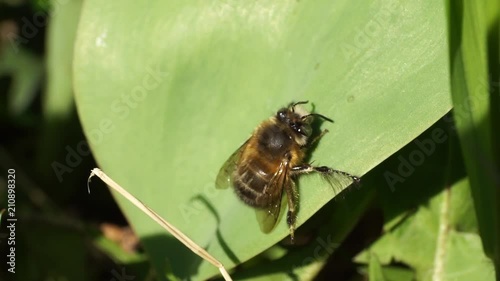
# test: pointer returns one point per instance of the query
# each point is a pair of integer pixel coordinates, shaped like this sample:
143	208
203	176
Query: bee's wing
224	178
339	180
269	216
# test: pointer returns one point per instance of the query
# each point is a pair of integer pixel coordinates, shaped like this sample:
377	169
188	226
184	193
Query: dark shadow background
57	220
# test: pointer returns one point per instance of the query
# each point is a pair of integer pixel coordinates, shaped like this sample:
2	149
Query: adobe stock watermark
30	27
407	165
472	102
426	147
119	109
321	252
196	207
369	32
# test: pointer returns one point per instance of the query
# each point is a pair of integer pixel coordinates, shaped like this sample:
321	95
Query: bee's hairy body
272	142
268	163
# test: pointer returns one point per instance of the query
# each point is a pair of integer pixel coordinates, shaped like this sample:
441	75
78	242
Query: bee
270	162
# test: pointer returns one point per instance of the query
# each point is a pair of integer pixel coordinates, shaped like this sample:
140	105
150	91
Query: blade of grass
153	215
473	97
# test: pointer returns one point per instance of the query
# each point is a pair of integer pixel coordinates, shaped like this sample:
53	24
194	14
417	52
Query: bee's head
299	120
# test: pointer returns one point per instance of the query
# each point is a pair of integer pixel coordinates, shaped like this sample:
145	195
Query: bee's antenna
297	103
319	115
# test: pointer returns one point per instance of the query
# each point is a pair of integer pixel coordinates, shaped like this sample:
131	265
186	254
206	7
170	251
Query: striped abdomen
260	161
251	179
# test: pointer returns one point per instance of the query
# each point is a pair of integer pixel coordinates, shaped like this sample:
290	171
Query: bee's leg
308	168
291	216
317	138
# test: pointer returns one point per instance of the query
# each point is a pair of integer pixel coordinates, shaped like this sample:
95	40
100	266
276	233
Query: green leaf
26	70
473	29
431	242
375	269
393	273
58	99
166	91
